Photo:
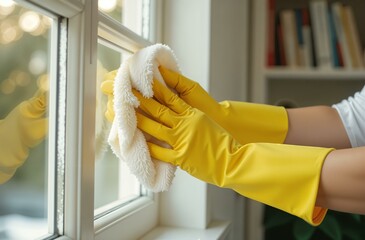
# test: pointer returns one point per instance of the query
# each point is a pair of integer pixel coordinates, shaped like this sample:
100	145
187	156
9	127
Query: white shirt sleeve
352	113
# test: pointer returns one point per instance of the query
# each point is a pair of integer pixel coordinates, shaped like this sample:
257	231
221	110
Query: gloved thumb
35	107
107	87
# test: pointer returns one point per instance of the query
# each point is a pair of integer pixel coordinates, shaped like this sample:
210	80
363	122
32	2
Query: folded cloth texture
125	139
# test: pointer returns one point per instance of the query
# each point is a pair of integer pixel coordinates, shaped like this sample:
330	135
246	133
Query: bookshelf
300	85
293	86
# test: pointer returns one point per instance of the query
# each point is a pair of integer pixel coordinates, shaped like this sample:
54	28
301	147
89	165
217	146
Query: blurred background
24	66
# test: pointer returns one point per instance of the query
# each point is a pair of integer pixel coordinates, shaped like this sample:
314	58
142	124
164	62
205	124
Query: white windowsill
215	230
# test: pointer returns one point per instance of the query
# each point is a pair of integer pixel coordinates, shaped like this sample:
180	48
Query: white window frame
84	24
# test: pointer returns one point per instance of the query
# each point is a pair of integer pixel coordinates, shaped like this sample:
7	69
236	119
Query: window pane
24	59
114	184
134	14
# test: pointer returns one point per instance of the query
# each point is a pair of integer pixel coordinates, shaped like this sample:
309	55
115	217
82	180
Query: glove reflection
23	128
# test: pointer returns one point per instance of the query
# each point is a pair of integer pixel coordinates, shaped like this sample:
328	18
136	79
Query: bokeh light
7	86
6	7
29	21
7	3
14	22
38	62
107	5
42	82
21	78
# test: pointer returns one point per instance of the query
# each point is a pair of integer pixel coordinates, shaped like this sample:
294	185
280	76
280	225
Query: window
122	30
133	14
114	185
25	49
67	187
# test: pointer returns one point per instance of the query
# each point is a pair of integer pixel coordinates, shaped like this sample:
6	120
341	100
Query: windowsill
215	230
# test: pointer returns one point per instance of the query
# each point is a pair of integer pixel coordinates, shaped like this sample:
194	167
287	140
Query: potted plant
335	226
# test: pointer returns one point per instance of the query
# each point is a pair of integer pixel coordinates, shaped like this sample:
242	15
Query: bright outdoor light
29	21
107	5
7	3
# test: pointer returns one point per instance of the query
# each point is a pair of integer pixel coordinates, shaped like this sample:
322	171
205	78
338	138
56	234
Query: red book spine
305	17
281	46
339	52
271	33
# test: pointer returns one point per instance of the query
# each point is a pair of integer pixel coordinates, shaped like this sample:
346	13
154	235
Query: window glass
24	70
133	14
114	184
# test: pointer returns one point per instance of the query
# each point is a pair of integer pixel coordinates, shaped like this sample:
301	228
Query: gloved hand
23	128
247	122
283	176
107	89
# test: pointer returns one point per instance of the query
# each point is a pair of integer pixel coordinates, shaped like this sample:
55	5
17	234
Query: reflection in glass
133	14
24	58
114	184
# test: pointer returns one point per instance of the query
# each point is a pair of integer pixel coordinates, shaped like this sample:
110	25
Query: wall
208	38
228	49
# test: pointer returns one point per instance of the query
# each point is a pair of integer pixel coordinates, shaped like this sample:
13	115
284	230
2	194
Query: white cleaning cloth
125	139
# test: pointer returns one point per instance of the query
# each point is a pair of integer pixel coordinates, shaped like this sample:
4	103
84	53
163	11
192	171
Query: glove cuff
251	122
282	176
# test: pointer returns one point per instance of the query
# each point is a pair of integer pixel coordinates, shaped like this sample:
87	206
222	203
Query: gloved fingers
155	109
168	98
107	87
40	99
110	75
109	113
190	91
177	81
108	83
35	107
155	129
161	153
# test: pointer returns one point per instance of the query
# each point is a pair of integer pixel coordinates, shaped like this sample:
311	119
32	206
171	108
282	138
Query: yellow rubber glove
23	128
247	122
282	176
107	88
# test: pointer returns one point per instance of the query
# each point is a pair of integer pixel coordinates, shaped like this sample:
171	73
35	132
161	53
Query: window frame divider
117	34
65	8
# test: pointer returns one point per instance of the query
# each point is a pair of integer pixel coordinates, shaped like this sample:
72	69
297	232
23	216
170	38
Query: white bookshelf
278	73
300	86
265	81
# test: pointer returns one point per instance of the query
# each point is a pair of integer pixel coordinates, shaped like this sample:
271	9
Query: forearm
342	184
316	126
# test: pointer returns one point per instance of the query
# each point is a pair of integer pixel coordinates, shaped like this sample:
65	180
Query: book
353	38
334	41
290	40
300	38
271	33
280	43
320	36
307	39
319	16
337	16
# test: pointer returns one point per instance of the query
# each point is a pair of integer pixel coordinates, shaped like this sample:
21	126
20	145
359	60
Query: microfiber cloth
126	140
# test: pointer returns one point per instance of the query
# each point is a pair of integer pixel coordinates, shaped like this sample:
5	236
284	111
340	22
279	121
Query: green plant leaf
331	227
351	227
356	217
274	217
354	234
302	230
